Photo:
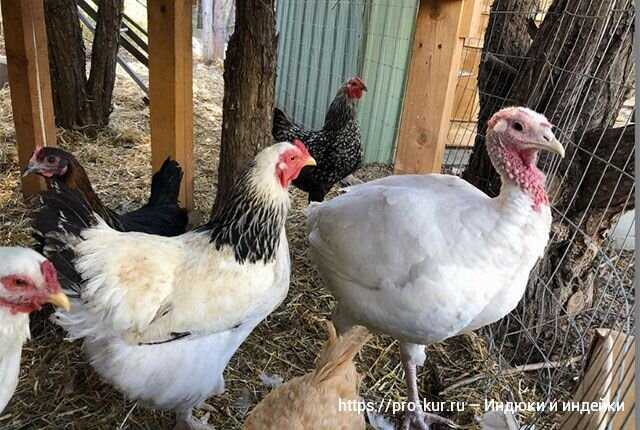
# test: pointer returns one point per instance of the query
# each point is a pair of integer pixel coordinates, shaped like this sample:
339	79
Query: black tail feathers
165	184
283	128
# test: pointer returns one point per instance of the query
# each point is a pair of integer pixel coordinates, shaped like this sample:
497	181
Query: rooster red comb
358	81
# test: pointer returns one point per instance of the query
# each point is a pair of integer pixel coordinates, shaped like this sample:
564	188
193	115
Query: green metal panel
322	43
386	57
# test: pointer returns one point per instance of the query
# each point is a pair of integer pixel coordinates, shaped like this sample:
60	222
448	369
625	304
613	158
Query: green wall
322	43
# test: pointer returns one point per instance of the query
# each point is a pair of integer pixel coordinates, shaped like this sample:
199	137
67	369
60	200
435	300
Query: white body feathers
144	290
424	258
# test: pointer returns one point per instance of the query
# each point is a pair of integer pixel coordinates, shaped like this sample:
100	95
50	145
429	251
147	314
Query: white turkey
27	282
161	317
426	257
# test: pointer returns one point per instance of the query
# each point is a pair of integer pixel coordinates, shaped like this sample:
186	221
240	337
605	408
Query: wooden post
25	38
430	89
170	88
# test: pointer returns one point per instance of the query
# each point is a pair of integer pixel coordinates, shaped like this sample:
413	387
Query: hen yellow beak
60	300
310	162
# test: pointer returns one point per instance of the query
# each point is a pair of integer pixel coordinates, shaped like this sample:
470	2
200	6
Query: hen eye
20	282
517	126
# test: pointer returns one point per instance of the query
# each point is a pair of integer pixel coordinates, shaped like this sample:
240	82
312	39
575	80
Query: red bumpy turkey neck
519	168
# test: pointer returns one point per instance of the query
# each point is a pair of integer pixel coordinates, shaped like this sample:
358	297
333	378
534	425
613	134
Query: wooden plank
609	378
170	88
471	26
431	83
29	81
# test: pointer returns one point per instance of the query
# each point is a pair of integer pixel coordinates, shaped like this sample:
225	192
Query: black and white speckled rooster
336	147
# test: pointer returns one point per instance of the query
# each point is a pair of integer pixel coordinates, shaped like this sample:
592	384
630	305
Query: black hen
336	147
162	215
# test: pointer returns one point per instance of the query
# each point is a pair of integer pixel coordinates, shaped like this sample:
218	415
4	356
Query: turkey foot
415	418
420	420
186	421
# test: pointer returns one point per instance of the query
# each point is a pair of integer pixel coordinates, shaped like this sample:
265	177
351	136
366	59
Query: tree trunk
80	102
67	62
249	90
579	71
506	43
104	54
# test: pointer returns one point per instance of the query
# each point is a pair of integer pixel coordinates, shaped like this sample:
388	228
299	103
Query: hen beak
310	162
548	142
60	300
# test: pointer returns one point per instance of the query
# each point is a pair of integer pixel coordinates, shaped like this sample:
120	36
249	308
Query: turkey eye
51	159
20	283
293	157
517	126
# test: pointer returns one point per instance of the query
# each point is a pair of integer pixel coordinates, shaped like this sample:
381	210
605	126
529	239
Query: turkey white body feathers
439	256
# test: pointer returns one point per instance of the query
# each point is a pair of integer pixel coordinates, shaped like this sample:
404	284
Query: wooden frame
170	76
171	88
441	27
29	81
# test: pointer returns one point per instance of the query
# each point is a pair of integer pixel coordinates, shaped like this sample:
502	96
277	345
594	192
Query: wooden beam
29	81
170	88
430	89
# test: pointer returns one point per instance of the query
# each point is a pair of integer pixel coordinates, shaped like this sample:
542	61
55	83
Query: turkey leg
415	418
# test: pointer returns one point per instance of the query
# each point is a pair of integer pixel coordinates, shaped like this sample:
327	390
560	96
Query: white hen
27	281
161	317
424	258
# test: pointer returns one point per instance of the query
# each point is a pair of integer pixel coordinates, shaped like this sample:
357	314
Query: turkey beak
310	162
60	300
548	142
31	168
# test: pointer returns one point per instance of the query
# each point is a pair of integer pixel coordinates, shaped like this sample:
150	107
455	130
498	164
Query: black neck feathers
248	222
341	111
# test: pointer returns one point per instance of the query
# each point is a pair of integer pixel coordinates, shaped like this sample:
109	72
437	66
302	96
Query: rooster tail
58	224
283	128
165	184
337	355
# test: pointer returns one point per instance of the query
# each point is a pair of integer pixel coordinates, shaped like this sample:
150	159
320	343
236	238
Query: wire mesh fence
572	61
